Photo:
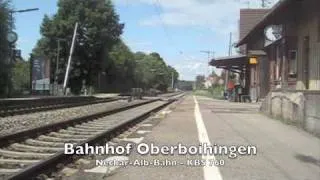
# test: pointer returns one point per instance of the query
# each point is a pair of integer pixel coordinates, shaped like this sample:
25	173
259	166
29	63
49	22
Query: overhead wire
159	11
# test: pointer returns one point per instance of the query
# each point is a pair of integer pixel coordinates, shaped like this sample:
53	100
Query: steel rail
45	106
21	136
50	164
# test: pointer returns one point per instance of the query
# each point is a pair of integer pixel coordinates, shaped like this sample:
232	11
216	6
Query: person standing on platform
230	89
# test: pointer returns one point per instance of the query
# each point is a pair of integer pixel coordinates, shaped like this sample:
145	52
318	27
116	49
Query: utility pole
230	44
230	53
69	60
57	63
172	80
31	73
209	53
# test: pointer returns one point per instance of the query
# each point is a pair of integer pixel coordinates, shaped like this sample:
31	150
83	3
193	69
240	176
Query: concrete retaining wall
312	113
301	108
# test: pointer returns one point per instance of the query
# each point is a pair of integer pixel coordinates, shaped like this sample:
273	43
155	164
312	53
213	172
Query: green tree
153	72
4	46
213	73
121	65
144	70
100	56
99	30
160	72
174	72
21	76
185	85
200	79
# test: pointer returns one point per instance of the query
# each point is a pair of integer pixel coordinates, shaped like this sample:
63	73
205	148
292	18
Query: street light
19	11
12	39
25	10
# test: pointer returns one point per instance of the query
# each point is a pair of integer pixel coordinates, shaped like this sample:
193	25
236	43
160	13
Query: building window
292	63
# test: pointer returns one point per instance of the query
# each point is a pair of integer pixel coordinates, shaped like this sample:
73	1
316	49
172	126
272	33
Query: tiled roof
249	18
276	9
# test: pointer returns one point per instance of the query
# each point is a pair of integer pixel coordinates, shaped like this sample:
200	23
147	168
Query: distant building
208	83
212	81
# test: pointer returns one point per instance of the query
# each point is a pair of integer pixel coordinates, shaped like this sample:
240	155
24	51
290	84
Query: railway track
27	154
18	107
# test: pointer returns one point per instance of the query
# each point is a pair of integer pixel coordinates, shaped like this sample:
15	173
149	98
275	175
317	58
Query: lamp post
19	11
12	39
229	53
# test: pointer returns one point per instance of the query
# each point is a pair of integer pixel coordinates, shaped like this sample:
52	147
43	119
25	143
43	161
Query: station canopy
235	64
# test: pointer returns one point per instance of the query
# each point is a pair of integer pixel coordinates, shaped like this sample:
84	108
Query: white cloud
192	64
24	41
137	45
190	68
220	16
25	45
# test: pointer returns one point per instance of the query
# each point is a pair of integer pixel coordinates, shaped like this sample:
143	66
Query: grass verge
213	92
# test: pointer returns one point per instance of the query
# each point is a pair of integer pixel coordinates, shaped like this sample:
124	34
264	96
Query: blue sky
177	29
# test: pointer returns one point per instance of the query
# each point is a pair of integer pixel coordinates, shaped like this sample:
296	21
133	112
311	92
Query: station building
285	46
248	64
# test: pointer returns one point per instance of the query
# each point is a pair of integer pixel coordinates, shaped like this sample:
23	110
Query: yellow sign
253	60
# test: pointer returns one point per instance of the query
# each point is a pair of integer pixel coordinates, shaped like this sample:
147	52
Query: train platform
269	148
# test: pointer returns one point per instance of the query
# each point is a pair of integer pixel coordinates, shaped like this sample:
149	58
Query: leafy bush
216	91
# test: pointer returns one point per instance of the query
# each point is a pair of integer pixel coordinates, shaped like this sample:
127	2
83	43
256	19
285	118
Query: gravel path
18	123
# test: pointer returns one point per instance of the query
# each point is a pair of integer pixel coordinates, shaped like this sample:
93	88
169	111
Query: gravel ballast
13	124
